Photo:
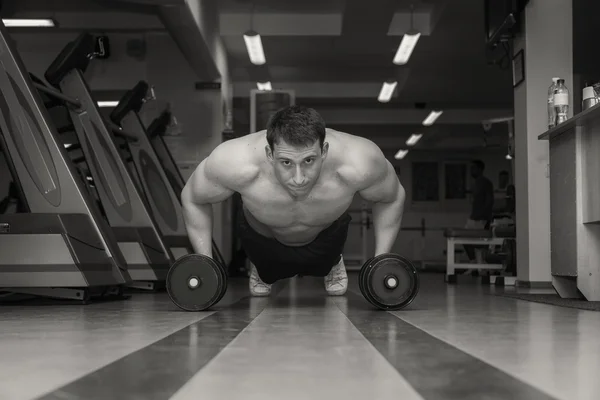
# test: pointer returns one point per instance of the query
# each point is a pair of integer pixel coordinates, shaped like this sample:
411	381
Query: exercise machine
500	262
159	176
61	247
146	253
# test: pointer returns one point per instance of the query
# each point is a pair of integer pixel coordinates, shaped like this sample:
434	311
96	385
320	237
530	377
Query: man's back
483	200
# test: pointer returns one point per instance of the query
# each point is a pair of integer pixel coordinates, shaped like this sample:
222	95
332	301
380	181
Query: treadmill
136	231
60	247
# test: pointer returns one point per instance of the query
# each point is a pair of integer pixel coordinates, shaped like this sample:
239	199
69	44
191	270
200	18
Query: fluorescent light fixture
414	138
432	117
508	157
407	45
386	91
28	23
255	48
110	103
401	154
264	86
67	145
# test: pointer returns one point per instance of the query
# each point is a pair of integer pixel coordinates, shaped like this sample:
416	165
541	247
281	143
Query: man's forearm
387	218
198	223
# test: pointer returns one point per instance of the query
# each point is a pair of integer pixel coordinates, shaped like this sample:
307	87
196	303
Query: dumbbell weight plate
196	282
225	278
361	275
389	282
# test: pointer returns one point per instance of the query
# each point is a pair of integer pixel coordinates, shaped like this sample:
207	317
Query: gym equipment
389	282
61	247
12	199
196	282
159	176
147	255
155	132
162	198
476	237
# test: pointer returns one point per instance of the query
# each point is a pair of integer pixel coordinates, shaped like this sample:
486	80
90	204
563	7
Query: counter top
578	120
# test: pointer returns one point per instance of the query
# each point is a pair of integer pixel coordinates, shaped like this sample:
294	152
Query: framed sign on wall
263	104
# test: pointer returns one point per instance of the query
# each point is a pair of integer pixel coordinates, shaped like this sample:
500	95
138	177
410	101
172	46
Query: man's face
297	168
475	171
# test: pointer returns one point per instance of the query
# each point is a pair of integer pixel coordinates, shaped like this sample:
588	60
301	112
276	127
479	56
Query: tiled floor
453	342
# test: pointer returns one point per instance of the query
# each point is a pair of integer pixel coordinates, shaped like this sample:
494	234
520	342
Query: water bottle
561	101
551	112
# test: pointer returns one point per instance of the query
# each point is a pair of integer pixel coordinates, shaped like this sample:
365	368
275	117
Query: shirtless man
296	180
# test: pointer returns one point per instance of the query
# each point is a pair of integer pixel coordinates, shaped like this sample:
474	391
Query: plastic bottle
551	112
561	101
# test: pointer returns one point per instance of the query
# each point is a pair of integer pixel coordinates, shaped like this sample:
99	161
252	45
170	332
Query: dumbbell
389	281
196	282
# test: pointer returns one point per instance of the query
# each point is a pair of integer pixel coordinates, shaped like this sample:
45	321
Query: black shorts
275	261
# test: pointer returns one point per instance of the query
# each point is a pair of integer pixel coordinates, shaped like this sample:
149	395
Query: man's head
296	147
477	168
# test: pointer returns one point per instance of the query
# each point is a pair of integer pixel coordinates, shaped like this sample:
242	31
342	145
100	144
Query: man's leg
469	248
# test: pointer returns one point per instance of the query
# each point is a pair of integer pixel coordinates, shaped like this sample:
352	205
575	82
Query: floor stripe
433	367
300	347
160	369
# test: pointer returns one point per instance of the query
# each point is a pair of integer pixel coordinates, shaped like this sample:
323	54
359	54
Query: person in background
482	204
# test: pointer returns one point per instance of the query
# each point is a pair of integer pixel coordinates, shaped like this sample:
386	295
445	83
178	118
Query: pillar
546	39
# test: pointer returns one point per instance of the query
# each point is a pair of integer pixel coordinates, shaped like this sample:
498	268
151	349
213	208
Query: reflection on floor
453	342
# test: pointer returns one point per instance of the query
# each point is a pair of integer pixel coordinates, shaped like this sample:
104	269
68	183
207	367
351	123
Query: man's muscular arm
381	186
213	181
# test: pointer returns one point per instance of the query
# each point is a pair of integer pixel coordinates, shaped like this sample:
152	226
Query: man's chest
275	207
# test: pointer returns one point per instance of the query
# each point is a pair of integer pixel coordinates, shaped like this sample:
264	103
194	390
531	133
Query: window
425	181
455	181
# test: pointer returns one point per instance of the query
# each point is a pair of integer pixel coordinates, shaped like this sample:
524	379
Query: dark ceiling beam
368	18
371	102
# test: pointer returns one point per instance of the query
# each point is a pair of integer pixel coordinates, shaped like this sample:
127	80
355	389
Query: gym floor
453	342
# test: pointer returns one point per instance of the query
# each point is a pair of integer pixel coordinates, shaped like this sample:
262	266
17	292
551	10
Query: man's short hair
297	126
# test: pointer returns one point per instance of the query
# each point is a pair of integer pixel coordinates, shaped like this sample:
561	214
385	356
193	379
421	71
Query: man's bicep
382	184
208	184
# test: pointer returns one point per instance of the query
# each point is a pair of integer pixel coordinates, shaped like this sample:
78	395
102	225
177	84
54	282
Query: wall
119	72
586	58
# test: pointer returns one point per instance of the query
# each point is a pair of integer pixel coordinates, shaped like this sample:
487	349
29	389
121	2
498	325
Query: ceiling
337	53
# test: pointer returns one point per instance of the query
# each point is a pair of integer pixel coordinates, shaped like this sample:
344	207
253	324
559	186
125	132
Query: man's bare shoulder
234	163
359	160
